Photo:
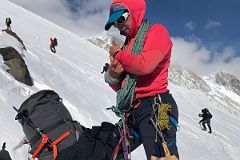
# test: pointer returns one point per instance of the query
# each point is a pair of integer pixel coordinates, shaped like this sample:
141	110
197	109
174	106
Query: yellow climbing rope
163	117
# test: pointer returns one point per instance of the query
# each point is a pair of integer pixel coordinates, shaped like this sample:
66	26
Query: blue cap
116	11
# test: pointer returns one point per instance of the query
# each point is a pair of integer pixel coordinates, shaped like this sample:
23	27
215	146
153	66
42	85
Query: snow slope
74	73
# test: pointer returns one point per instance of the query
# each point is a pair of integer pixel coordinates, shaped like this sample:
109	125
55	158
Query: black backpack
209	115
55	41
47	125
8	21
97	143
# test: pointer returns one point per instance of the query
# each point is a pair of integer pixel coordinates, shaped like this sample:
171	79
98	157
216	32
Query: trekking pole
156	128
158	98
164	143
21	115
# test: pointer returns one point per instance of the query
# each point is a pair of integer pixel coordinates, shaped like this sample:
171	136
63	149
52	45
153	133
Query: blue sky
215	22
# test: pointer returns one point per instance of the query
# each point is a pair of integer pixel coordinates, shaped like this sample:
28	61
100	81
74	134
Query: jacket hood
137	9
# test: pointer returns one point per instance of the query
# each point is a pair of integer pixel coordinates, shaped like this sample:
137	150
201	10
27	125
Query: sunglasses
122	19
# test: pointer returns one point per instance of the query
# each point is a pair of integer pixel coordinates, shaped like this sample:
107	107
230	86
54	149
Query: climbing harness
161	117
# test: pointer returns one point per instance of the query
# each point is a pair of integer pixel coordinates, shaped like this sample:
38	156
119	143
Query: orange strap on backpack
59	139
41	145
45	138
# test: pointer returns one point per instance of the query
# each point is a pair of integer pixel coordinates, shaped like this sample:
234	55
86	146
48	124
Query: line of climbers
53	41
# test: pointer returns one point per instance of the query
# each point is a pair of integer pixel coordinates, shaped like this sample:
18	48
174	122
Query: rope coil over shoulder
125	95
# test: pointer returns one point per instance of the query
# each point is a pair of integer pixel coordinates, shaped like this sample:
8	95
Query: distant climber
206	116
105	68
8	23
4	155
53	44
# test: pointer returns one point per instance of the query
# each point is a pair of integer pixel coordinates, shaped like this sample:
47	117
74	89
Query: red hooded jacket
151	65
51	42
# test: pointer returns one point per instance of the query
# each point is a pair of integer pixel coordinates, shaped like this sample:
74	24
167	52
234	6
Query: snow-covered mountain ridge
104	41
227	80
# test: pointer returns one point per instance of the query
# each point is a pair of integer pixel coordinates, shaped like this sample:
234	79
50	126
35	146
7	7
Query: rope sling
125	95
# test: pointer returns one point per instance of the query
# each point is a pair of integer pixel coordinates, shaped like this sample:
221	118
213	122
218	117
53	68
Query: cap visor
113	18
108	26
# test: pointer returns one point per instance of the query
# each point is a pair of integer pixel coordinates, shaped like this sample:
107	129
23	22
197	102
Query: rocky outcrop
17	67
10	32
104	42
187	79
